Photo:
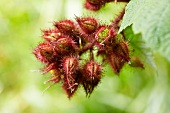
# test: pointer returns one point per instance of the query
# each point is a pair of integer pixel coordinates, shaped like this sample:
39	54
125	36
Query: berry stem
87	47
91	54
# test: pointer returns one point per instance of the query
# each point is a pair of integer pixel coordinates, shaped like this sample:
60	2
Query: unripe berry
104	33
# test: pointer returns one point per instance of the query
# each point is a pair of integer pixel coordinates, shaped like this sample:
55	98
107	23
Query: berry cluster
95	5
64	46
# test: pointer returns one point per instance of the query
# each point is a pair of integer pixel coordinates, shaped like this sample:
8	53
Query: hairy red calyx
136	62
92	71
92	7
70	65
51	34
64	46
44	53
95	5
65	26
92	75
88	25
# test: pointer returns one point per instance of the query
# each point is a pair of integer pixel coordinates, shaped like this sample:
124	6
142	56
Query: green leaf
151	18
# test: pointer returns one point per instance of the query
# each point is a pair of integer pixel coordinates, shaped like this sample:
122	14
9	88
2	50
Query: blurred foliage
21	85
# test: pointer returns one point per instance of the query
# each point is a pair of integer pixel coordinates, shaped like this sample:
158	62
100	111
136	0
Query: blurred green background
21	86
